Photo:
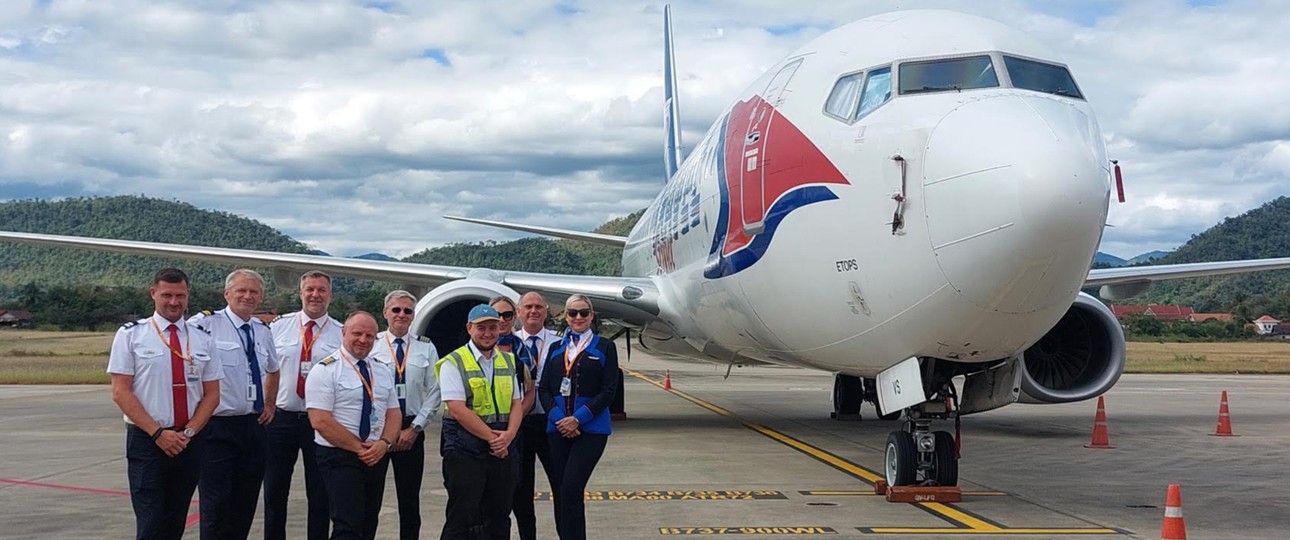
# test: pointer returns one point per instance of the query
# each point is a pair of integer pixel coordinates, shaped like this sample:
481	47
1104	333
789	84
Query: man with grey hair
411	359
233	468
302	339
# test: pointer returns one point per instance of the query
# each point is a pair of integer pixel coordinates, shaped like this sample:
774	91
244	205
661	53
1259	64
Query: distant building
1158	311
14	318
1265	325
1220	317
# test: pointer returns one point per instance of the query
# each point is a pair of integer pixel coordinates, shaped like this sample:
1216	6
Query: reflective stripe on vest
502	387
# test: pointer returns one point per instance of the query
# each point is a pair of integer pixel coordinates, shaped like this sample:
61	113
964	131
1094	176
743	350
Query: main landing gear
918	456
850	392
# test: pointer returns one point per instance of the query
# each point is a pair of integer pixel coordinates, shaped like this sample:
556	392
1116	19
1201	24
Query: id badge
376	420
401	390
304	368
566	387
250	392
193	375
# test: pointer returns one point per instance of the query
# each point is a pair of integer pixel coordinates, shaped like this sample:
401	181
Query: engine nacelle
1080	358
441	314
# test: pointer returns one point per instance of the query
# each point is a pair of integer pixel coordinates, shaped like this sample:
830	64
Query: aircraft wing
1126	282
631	300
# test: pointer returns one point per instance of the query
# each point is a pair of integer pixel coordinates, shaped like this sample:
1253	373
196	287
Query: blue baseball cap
481	313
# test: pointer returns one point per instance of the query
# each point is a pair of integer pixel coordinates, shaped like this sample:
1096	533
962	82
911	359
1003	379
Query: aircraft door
753	169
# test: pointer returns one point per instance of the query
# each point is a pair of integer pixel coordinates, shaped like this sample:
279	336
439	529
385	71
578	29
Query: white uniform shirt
236	390
551	338
139	351
453	388
418	373
288	338
336	386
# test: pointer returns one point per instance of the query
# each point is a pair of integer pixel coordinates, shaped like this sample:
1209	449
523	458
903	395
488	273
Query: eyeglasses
507	315
578	313
398	310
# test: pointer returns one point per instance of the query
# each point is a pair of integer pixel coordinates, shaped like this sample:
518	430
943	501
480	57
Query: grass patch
54	370
1271	357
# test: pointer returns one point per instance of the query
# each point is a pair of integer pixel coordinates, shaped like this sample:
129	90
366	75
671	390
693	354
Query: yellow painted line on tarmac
870	493
966	522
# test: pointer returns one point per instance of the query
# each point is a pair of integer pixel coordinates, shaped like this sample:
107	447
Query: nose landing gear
918	456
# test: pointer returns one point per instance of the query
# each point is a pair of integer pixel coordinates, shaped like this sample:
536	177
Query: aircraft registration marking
961	521
684	531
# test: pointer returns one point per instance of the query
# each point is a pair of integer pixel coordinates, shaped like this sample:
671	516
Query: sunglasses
398	310
507	315
578	313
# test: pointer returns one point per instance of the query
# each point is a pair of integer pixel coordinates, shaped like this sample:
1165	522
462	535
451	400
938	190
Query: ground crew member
355	416
412	361
536	340
480	390
165	383
302	338
233	468
579	381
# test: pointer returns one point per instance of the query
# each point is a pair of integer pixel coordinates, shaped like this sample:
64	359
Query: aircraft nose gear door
753	168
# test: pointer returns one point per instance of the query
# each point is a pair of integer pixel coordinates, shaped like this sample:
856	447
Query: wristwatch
388	445
417	428
188	432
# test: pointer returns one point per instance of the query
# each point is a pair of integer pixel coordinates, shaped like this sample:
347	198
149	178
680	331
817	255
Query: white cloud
353	127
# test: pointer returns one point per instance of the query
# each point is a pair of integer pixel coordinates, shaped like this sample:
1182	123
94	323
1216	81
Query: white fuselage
775	240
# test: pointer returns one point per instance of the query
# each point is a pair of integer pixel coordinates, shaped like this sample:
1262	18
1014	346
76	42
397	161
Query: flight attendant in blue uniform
576	388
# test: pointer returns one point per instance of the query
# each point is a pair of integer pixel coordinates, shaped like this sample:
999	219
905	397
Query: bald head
359	333
533	312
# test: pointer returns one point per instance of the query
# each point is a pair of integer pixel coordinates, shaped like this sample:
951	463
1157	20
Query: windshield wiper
1063	92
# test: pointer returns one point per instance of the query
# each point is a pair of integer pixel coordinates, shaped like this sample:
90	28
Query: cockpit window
877	90
951	74
843	97
1041	77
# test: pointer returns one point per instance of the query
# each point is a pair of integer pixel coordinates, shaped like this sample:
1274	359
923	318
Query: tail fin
671	112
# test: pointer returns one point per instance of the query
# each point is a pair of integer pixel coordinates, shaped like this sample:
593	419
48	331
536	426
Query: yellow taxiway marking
967	523
870	493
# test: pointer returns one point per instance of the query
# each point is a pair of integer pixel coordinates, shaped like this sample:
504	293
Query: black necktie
365	424
400	375
255	367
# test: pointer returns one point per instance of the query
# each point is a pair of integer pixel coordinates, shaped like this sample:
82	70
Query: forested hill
1260	233
126	218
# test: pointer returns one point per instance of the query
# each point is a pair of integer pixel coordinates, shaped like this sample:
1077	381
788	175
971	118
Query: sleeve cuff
584	415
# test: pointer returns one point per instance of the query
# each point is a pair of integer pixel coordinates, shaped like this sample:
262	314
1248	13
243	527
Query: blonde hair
577	298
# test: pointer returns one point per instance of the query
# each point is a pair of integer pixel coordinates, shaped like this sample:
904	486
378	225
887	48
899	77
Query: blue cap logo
481	313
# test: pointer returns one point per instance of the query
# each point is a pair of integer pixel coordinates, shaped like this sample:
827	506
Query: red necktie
306	356
177	383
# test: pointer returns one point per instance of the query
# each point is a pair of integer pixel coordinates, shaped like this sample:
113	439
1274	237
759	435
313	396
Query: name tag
566	387
401	390
304	368
250	392
377	421
193	374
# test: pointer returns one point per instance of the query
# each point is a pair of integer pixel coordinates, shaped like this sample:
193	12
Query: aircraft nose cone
1016	191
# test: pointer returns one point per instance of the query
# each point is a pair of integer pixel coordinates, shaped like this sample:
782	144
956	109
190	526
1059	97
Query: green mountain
1260	233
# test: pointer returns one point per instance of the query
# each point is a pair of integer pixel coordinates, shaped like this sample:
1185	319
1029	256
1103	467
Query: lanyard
307	349
399	367
366	384
571	354
188	342
241	336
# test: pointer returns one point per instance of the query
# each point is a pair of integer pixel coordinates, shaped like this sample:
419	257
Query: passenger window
877	90
949	74
843	97
1041	77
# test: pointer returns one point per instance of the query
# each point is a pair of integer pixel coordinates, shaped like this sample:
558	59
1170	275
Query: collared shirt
138	351
337	387
551	338
288	336
453	388
235	395
418	373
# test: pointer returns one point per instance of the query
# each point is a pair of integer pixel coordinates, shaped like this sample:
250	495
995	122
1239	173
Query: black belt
290	414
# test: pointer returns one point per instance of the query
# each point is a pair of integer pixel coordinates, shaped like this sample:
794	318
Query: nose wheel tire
946	462
901	459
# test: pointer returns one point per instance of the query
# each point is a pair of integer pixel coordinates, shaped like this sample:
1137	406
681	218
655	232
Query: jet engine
1080	358
441	314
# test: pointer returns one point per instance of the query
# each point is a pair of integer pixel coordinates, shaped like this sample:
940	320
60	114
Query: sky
354	126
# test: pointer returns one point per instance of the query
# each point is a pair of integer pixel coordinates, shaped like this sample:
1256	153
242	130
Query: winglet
594	238
671	111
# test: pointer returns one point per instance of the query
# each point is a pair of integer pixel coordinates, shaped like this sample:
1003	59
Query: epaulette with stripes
327	361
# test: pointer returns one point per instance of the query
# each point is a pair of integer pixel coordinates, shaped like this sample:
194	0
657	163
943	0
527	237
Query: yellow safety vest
494	397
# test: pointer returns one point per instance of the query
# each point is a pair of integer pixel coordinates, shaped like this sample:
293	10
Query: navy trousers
232	473
409	467
354	492
161	487
480	490
533	448
575	459
290	435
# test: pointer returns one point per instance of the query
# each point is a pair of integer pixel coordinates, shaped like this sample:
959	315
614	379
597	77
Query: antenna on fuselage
671	111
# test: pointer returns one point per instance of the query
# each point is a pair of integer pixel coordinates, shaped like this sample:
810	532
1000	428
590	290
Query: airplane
906	200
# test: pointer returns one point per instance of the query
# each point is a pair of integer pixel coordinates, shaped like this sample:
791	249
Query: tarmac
757	455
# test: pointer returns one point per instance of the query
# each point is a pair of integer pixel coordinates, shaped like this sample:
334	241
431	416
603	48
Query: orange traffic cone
1100	437
1173	527
667	380
1224	419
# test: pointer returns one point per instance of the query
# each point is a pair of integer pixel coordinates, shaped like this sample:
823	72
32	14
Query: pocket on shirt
349	384
229	352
